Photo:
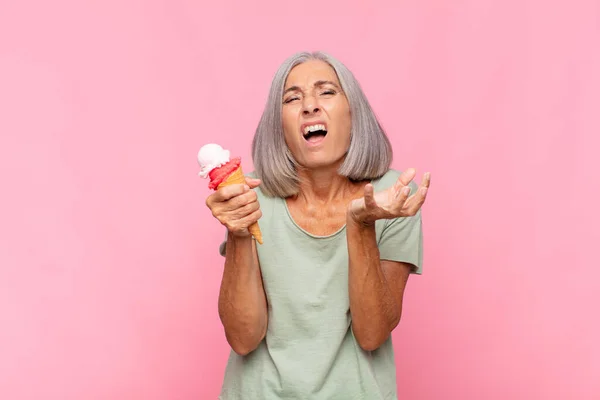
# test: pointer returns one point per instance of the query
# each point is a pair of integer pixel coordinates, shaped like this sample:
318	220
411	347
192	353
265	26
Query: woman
309	313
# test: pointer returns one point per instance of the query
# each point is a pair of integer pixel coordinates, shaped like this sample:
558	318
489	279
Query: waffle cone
237	177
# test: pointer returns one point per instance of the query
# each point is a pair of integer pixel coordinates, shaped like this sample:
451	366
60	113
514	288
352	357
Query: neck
323	185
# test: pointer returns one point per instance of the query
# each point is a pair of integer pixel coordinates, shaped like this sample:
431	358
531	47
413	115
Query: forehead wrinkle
319	83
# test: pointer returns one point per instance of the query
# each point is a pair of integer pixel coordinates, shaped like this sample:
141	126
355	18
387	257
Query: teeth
313	128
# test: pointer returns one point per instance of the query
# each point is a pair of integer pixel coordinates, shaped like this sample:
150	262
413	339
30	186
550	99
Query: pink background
109	271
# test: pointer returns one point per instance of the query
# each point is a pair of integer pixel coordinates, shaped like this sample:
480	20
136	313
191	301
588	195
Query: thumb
252	182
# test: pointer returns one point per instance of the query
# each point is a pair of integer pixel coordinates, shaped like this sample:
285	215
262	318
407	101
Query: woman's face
316	115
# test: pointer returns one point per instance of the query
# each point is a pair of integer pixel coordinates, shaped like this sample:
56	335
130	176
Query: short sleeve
402	240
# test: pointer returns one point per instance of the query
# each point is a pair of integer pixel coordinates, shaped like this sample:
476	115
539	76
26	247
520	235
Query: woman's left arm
376	287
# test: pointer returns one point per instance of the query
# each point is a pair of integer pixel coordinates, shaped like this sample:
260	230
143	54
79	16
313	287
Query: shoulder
388	180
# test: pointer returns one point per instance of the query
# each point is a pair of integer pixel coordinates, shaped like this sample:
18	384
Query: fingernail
406	190
246	187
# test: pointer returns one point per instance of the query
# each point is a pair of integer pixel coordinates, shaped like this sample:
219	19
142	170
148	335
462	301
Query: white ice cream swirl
211	156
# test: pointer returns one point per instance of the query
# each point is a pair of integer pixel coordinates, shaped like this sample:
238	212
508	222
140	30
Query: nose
310	106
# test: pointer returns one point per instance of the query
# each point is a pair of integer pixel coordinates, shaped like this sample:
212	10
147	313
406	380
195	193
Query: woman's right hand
236	206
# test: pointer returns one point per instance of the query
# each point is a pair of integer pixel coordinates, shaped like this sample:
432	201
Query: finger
249	219
403	192
253	182
218	198
417	201
403	197
228	192
210	200
246	210
405	178
426	180
239	201
370	197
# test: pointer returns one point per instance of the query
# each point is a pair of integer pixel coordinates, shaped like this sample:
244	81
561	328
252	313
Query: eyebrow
317	84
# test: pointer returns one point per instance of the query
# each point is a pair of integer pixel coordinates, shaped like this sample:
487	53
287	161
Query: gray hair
368	157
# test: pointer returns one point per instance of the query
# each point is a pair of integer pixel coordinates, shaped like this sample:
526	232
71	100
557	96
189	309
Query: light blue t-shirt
309	351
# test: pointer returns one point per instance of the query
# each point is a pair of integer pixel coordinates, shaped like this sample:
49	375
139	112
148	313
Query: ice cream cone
237	177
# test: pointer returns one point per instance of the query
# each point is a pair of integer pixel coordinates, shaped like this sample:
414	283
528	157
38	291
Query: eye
290	99
328	92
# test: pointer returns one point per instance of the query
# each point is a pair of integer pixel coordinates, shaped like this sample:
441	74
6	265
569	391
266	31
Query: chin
322	162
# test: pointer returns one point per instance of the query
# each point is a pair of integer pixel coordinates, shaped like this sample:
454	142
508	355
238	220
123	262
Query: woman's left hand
391	203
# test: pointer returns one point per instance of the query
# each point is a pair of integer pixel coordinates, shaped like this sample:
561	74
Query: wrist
239	236
354	219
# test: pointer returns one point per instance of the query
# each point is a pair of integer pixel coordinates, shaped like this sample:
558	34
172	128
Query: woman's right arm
242	299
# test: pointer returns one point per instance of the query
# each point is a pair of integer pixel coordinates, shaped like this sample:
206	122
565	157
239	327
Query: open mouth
314	133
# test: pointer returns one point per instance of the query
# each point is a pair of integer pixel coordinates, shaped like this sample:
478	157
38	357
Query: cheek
340	111
346	127
287	119
289	124
343	118
289	116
